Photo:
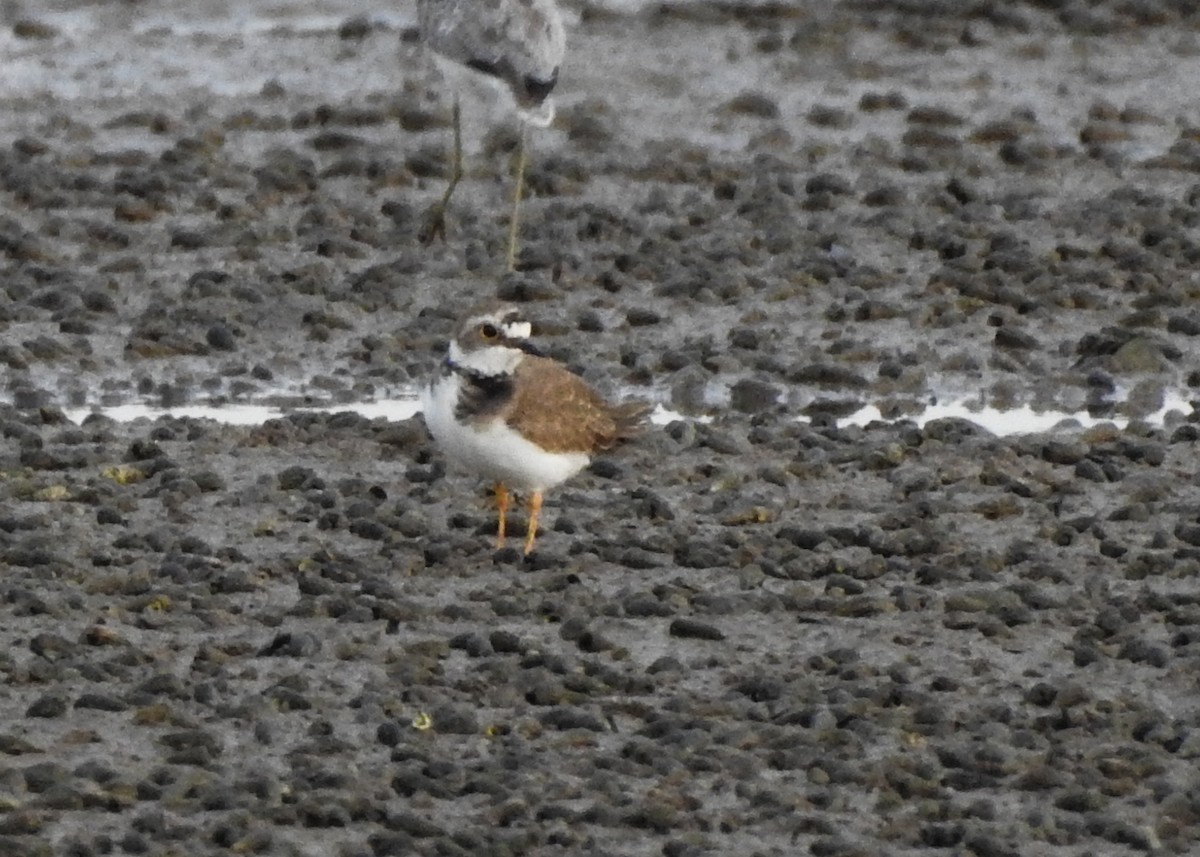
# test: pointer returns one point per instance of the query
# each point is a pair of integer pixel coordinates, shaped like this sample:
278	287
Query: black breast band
480	394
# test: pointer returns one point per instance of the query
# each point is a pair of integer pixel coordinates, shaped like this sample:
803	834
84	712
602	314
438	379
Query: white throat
492	360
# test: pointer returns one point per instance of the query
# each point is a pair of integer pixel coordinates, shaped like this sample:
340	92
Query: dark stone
47	706
750	396
220	337
695	629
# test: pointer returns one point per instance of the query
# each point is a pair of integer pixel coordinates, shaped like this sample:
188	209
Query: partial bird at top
518	43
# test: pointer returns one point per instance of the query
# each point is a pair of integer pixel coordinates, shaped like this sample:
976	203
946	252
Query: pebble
750	396
695	629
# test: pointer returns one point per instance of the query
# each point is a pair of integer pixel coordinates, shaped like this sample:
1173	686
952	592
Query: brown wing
559	412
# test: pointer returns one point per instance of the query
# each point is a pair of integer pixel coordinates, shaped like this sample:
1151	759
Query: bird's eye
488	331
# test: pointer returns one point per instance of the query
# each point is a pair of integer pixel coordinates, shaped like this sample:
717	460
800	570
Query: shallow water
998	421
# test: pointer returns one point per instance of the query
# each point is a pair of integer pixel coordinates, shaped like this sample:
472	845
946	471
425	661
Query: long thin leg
535	507
514	225
502	508
435	219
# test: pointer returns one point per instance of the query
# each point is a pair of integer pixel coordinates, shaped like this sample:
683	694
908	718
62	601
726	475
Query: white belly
495	451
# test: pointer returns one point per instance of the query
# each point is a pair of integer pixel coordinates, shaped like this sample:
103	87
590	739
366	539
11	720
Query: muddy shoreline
747	635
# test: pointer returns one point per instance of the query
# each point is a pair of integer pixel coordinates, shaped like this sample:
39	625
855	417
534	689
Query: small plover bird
524	421
519	44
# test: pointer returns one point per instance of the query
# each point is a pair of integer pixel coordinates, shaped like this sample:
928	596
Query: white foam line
246	414
251	414
1022	420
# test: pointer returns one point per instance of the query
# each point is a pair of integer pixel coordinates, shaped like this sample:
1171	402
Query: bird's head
492	342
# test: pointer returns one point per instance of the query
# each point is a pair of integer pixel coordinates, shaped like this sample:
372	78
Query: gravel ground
743	634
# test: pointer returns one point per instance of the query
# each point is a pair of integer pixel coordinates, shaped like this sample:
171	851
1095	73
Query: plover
526	422
519	44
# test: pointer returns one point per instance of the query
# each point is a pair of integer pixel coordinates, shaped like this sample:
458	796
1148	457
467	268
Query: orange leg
502	507
535	506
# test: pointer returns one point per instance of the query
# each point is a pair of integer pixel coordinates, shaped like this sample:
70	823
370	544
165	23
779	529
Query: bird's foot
434	227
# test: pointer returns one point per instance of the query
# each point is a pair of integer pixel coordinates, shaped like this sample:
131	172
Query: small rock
220	337
695	629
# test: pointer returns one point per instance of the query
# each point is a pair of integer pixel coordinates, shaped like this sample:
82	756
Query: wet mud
745	632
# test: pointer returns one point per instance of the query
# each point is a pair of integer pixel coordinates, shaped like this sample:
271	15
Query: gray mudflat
747	636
